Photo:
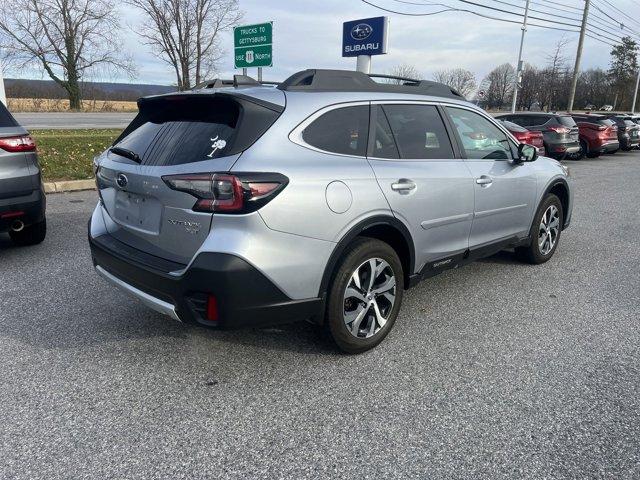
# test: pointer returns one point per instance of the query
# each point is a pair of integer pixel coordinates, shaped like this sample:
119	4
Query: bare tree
405	71
461	80
66	38
185	34
499	85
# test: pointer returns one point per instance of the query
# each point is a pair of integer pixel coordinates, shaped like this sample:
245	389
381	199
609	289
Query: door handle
403	185
484	180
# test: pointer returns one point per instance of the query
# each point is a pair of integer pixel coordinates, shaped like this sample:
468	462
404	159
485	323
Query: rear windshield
6	119
567	121
629	123
607	122
192	128
513	127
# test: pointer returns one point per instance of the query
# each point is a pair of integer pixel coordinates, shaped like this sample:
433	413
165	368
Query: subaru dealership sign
365	37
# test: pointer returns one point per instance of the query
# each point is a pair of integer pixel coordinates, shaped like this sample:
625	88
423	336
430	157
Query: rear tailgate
179	134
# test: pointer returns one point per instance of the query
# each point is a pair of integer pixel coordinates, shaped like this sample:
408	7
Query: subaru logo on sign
361	31
122	180
367	36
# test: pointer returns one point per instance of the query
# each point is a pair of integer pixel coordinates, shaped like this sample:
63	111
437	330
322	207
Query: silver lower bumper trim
153	303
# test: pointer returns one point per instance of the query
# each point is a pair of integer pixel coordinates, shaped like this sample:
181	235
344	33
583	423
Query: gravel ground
496	370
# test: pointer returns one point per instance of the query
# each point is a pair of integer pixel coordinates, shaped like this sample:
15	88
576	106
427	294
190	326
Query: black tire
532	253
593	154
31	235
584	150
356	257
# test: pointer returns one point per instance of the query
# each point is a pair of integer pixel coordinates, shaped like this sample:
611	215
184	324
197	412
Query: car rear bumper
243	295
609	147
29	208
562	149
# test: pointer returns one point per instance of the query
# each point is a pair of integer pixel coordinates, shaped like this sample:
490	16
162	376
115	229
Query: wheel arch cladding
560	190
387	229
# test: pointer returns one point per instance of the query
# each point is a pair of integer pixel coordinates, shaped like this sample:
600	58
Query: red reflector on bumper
12	214
212	308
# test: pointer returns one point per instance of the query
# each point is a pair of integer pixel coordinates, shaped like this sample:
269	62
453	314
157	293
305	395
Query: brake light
224	193
560	130
23	143
212	308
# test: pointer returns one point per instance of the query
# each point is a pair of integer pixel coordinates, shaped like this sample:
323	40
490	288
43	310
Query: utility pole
576	68
635	95
519	67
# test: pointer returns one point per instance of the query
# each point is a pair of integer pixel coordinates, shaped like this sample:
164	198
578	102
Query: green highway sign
252	45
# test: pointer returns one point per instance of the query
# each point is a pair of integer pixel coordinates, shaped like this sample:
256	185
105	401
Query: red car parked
530	137
597	135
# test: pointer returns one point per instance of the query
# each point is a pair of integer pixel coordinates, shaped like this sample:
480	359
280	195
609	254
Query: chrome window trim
296	134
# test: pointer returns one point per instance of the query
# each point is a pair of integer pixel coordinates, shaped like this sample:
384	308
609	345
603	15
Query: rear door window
419	132
343	130
192	128
384	145
480	138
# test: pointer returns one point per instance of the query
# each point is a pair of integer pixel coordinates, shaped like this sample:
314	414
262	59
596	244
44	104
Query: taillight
23	143
560	130
224	193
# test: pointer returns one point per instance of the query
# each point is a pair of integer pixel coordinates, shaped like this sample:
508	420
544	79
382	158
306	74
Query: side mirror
527	153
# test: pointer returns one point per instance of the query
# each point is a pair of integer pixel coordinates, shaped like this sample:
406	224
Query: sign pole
244	72
259	74
363	64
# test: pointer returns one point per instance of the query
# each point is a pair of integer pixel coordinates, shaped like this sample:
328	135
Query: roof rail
350	81
238	81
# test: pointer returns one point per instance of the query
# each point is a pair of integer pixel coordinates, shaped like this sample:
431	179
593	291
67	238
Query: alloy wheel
369	298
549	230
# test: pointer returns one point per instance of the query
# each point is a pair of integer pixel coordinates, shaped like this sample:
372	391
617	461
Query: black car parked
561	135
628	131
22	199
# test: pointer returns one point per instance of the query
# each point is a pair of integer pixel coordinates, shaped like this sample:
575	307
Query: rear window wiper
126	153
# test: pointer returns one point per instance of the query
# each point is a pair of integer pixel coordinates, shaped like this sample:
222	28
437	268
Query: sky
308	34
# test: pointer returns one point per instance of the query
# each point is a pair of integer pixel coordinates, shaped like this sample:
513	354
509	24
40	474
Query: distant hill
19	88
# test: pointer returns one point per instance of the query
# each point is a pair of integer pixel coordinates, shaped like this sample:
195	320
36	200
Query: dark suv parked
628	131
560	131
598	134
22	199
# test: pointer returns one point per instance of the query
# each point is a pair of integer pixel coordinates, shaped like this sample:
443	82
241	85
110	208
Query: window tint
178	130
419	131
480	138
343	130
384	145
6	119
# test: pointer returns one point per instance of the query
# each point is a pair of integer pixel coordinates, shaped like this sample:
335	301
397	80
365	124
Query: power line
596	30
615	20
620	11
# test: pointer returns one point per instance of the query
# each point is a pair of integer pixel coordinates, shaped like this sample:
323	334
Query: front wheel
545	232
365	296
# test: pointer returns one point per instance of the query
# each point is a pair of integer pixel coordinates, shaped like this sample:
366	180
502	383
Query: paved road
497	370
74	120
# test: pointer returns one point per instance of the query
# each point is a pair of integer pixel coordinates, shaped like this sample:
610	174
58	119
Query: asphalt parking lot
496	370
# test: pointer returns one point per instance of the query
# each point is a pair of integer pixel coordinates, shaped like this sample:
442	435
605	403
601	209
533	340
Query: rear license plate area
137	211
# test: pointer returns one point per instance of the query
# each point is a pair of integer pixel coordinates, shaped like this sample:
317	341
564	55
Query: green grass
68	154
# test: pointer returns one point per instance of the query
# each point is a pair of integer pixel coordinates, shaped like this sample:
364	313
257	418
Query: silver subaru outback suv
323	198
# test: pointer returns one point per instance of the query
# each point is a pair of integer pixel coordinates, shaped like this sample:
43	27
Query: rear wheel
365	296
584	150
545	232
31	235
